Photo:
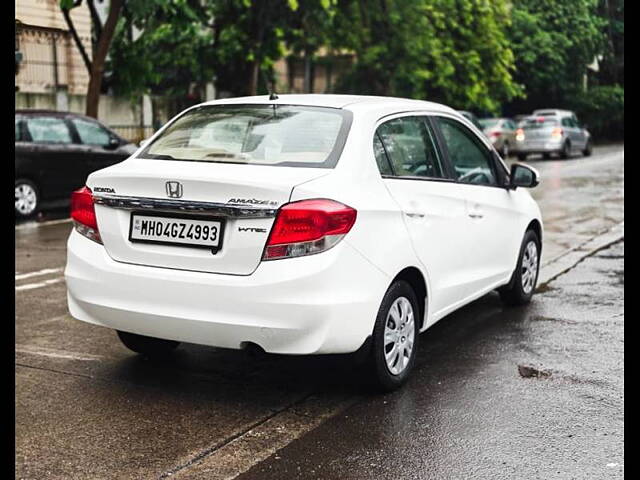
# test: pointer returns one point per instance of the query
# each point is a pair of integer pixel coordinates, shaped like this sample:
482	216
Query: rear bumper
551	146
325	303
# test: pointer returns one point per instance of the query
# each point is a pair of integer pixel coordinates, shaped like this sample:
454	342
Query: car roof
552	111
349	102
52	113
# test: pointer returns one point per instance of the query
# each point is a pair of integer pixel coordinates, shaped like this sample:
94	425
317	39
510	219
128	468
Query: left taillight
83	213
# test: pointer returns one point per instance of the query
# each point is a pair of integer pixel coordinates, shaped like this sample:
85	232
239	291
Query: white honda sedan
304	224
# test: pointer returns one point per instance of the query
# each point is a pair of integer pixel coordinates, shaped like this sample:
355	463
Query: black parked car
56	151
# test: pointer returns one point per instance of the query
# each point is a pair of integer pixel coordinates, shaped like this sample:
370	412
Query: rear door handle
414	214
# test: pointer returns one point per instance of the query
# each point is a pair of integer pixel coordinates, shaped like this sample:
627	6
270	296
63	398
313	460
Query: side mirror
113	143
523	176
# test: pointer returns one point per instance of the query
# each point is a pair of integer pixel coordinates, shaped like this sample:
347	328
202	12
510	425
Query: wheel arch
414	277
536	226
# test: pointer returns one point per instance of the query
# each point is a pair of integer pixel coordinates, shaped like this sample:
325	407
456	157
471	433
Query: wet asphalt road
88	408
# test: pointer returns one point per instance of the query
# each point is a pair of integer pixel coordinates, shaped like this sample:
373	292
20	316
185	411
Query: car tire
522	285
27	198
566	150
148	346
587	149
395	338
546	156
522	157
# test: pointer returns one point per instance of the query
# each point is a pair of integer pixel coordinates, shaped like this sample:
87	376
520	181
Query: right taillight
307	227
83	214
556	132
520	135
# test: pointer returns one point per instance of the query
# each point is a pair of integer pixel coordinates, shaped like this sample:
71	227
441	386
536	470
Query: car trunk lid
243	197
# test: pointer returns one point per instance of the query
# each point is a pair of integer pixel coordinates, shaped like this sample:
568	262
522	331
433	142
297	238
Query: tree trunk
254	70
97	64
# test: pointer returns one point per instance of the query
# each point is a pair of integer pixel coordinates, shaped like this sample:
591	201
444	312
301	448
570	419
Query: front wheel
148	346
587	149
520	288
566	151
395	338
522	157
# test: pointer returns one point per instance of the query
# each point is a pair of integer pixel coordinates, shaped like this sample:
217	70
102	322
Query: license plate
181	231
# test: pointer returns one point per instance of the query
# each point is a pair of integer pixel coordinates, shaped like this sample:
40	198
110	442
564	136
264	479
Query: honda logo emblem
174	189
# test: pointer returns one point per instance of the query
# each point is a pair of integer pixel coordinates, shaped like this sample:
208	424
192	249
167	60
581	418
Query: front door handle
476	215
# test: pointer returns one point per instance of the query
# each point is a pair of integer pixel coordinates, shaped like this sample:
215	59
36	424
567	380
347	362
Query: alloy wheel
399	335
529	266
26	199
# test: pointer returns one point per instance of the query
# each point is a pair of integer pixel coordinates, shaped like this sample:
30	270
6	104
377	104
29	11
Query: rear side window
48	130
381	156
91	133
470	160
276	135
410	148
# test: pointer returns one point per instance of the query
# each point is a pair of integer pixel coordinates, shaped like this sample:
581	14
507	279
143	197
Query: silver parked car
472	118
552	131
501	132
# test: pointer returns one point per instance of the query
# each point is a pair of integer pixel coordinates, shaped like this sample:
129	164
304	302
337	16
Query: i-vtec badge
174	189
252	229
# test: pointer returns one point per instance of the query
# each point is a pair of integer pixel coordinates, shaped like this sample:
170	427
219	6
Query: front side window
410	148
48	130
91	133
277	135
470	160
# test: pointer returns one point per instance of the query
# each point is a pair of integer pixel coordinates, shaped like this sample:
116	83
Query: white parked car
308	224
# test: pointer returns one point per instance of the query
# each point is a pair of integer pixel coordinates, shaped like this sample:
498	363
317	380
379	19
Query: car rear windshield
278	135
538	122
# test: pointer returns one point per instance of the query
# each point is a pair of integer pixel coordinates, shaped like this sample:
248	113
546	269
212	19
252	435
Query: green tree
553	42
453	51
165	47
162	47
102	37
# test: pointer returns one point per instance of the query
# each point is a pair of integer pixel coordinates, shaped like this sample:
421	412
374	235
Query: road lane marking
54	353
44	283
238	453
31	225
44	271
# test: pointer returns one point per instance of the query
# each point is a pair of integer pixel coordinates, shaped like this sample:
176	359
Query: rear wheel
546	156
148	346
27	198
522	157
520	288
395	338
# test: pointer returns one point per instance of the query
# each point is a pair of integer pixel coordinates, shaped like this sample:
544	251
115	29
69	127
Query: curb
564	262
